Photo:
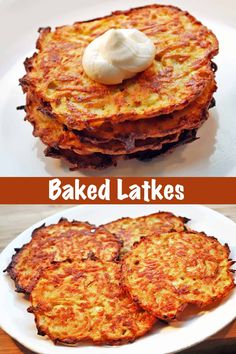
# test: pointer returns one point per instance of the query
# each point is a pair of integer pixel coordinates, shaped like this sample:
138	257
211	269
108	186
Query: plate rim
67	212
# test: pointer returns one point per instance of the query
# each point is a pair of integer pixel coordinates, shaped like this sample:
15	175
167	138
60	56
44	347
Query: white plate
22	155
166	339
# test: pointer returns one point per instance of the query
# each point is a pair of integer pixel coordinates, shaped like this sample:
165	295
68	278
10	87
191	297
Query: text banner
117	190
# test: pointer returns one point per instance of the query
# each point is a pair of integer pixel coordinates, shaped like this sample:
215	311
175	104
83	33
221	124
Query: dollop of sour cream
118	54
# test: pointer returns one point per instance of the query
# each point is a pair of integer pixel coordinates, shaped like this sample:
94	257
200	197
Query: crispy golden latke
53	134
161	126
179	74
165	272
101	161
150	136
84	301
131	230
58	242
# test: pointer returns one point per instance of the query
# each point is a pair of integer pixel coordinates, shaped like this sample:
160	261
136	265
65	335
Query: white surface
166	339
214	154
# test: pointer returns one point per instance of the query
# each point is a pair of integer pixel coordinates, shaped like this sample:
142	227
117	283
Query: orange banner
129	190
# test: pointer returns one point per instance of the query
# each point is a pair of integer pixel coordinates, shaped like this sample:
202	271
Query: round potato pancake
159	126
165	272
58	242
101	161
84	301
53	134
178	75
134	136
131	230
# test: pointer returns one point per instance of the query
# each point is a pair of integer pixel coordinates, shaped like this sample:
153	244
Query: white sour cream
117	55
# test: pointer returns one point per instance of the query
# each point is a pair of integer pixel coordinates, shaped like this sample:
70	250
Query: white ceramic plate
166	339
214	154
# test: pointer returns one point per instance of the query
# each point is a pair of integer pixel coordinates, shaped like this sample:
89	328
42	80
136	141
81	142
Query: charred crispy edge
107	161
25	82
43	31
106	341
161	141
182	307
101	161
180	218
128	11
62	221
84	134
157	142
11	267
157	214
190	232
212	103
214	67
11	271
136	299
155	6
65	222
130	146
47	112
19	108
87	339
76	161
54	145
121	117
46	108
74	341
187	137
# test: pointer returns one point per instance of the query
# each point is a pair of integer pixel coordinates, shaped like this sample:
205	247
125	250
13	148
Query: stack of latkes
91	125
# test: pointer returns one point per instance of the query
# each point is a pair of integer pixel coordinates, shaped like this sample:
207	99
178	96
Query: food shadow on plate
23	349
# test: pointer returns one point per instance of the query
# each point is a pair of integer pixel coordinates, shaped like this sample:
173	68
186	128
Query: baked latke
56	243
91	125
132	230
84	301
166	272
